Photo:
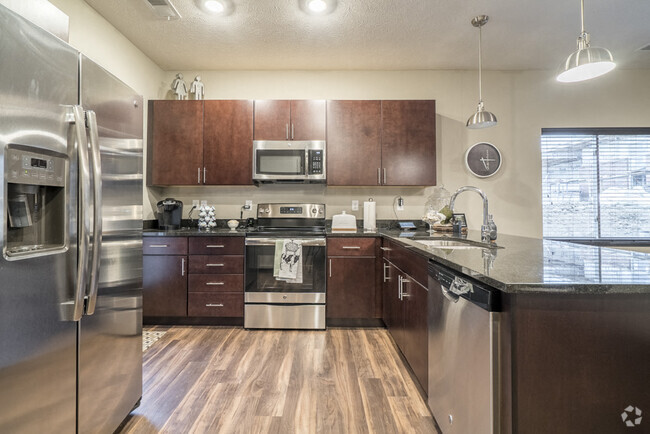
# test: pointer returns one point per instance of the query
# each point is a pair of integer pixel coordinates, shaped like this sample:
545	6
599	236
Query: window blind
595	184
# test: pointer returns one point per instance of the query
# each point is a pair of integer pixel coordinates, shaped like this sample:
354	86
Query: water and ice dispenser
36	219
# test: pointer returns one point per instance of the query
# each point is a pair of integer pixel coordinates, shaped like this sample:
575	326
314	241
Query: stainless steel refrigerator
71	233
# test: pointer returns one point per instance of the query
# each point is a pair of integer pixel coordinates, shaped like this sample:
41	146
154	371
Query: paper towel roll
369	216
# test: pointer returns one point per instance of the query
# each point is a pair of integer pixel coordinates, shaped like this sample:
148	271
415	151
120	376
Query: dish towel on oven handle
287	263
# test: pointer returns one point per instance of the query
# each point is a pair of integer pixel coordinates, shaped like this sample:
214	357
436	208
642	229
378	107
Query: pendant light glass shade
586	62
482	118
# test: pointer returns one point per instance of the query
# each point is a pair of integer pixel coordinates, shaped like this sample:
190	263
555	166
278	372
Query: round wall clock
483	159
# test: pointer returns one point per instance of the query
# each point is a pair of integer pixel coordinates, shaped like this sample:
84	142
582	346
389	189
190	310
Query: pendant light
586	62
482	118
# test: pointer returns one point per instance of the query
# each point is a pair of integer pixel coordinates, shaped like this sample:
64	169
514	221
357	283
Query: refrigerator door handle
84	215
96	166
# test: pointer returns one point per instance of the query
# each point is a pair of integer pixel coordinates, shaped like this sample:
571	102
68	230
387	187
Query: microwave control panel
315	160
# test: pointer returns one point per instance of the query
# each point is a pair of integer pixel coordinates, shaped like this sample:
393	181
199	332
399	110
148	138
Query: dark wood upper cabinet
290	120
354	142
308	119
408	142
175	140
228	142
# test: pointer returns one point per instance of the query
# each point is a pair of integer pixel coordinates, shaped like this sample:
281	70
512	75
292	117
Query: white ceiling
382	34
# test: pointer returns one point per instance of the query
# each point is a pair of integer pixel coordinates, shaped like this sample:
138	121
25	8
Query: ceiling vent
164	9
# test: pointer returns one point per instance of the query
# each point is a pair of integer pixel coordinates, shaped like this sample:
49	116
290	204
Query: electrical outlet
400	204
195	203
355	205
249	204
204	202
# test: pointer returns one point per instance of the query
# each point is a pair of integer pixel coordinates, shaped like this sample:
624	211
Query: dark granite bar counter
513	264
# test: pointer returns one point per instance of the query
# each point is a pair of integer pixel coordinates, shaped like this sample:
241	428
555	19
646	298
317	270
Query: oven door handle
271	241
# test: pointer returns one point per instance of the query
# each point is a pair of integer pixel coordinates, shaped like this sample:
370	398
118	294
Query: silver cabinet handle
351	247
330	268
386	267
214	265
198	178
96	166
286	127
379	176
84	212
384	176
204	174
404	294
292	131
386	249
158	246
214	283
214	246
214	305
182	266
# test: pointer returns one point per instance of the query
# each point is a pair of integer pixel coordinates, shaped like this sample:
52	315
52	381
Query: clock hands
486	160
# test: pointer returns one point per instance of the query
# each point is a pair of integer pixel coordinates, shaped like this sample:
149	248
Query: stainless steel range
285	268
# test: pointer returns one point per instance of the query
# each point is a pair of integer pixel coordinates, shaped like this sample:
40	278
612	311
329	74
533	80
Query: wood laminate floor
230	380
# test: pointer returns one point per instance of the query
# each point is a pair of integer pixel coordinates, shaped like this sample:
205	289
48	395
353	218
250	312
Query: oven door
263	287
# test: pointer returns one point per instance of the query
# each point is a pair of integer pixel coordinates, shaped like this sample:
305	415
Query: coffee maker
170	212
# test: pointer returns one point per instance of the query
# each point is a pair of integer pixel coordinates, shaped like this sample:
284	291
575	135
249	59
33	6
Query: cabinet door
393	306
415	329
175	140
353	142
408	149
272	119
308	120
164	285
228	142
351	287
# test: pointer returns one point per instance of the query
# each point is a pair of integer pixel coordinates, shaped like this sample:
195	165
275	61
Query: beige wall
524	102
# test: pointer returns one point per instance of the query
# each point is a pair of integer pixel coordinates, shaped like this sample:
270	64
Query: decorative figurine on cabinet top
179	87
197	88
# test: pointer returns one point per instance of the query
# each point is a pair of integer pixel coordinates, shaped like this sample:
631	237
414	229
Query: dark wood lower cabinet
164	286
351	287
228	304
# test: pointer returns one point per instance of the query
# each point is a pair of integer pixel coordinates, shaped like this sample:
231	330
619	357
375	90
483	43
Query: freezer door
110	343
37	337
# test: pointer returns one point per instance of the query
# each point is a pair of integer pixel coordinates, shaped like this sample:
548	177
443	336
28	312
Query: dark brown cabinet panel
164	246
351	246
308	119
408	142
272	119
217	246
216	264
228	142
175	140
354	142
211	304
216	283
415	329
351	287
164	285
290	120
393	310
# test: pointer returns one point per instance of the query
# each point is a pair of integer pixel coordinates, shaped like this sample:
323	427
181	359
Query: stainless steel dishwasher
463	341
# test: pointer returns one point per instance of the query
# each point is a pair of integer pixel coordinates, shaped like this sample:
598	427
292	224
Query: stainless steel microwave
295	161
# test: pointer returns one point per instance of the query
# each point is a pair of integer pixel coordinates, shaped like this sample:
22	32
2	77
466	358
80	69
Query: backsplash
228	201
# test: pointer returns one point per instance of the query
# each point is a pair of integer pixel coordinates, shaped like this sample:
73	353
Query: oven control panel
291	210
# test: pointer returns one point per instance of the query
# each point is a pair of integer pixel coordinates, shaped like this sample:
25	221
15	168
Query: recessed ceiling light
215	7
318	7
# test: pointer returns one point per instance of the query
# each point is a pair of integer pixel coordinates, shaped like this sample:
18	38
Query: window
595	183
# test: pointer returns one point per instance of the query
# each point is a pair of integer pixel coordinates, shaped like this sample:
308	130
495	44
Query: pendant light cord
480	67
582	15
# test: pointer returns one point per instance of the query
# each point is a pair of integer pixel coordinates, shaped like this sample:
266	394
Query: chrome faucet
489	228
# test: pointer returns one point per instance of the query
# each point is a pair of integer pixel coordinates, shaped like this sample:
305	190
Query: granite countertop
531	265
514	264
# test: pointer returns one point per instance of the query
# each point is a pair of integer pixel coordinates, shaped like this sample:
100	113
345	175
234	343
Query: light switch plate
355	205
